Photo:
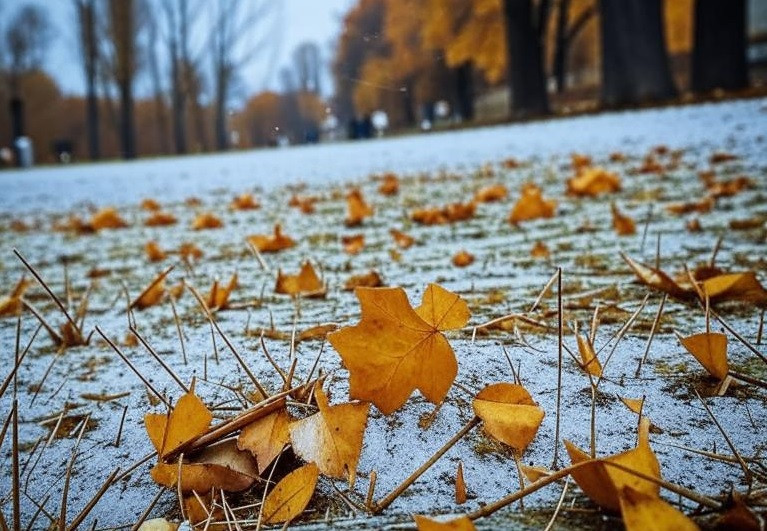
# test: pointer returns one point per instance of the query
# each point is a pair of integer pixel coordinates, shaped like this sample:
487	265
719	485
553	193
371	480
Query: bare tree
719	55
564	37
307	63
87	17
153	61
241	30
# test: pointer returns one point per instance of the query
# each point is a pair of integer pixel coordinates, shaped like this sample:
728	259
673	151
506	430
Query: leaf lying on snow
509	414
306	283
291	495
532	205
244	201
623	224
272	243
332	437
207	220
447	214
710	349
389	184
160	219
107	218
371	279
218	297
354	243
11	304
641	511
396	349
153	252
593	181
491	193
462	523
401	239
266	437
153	293
188	420
356	208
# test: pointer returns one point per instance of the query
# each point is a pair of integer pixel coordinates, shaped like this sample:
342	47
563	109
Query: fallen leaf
107	218
447	214
11	304
332	437
160	219
593	181
589	361
710	349
655	278
603	483
371	279
650	165
272	243
150	205
153	293
532	205
743	287
158	524
534	473
305	283
641	511
462	523
207	220
729	187
752	223
189	250
702	206
316	332
738	516
463	258
402	240
291	495
460	485
198	508
623	224
634	404
491	193
219	295
266	437
540	250
509	414
395	349
579	161
153	252
219	466
389	184
244	201
353	244
718	157
356	208
693	225
304	204
511	163
186	421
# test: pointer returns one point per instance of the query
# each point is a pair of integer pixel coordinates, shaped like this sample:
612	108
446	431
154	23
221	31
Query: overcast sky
299	21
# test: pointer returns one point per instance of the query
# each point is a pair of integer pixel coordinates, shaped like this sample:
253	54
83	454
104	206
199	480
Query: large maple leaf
396	349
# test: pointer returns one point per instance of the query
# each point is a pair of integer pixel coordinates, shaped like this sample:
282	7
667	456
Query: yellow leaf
107	218
189	419
207	220
153	293
291	495
272	243
219	295
357	208
710	349
509	414
532	205
462	523
305	283
623	225
589	363
642	512
593	181
266	437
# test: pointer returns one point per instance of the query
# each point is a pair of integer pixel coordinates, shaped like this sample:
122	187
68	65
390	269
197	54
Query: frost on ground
435	170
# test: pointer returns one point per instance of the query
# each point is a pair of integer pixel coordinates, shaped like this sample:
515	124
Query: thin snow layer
504	279
714	125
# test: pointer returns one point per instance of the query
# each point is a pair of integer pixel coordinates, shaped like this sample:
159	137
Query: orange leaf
590	363
641	511
189	419
266	437
634	404
353	244
389	185
603	483
460	485
655	278
316	332
150	205
395	349
463	258
153	293
710	349
447	214
509	414
291	495
206	220
532	205
593	181
305	283
401	239
107	218
623	224
357	208
11	304
494	192
273	243
462	523
540	250
332	437
198	508
189	250
160	219
153	252
244	201
744	287
370	279
219	295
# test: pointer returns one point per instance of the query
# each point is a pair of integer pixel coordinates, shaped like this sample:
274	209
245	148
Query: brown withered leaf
150	204
641	511
356	208
203	507
306	283
540	250
371	279
272	243
491	193
189	250
316	332
532	205
206	220
244	201
655	278
389	184
717	157
603	483
186	421
153	252
509	414
593	181
701	206
107	218
266	437
579	161
710	349
332	437
218	298
463	258
450	213
291	495
153	293
396	349
462	523
11	304
160	219
589	361
402	240
623	224
354	243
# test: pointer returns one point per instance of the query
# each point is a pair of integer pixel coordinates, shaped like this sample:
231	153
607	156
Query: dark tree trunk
464	91
719	53
127	125
635	64
527	81
561	45
91	70
408	105
16	107
222	137
178	97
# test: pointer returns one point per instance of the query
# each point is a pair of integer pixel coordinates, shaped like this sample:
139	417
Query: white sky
301	20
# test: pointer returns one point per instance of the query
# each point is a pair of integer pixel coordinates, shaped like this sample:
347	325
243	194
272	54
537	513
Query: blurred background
88	80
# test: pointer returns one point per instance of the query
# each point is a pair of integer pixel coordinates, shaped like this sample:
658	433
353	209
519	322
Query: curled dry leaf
593	181
396	349
12	304
219	466
389	184
291	495
655	278
332	437
153	252
219	295
603	483
634	404
272	243
371	279
160	219
354	243
153	293
207	220
509	414
641	511
463	258
462	523
107	218
306	283
244	201
402	240
532	205
356	208
540	250
188	420
710	349
623	224
491	193
266	437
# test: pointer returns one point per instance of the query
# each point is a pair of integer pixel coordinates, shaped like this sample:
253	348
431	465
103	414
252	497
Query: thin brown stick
46	288
760	329
560	339
371	490
653	330
15	466
748	379
646	226
120	429
739	337
65	491
19	359
178	328
394	494
545	290
559	505
93	501
159	360
269	358
743	466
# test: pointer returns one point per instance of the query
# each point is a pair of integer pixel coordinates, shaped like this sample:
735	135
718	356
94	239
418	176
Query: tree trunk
526	78
560	51
222	138
635	65
91	70
719	53
464	91
127	125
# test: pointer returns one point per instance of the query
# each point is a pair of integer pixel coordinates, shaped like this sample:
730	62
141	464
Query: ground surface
435	170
